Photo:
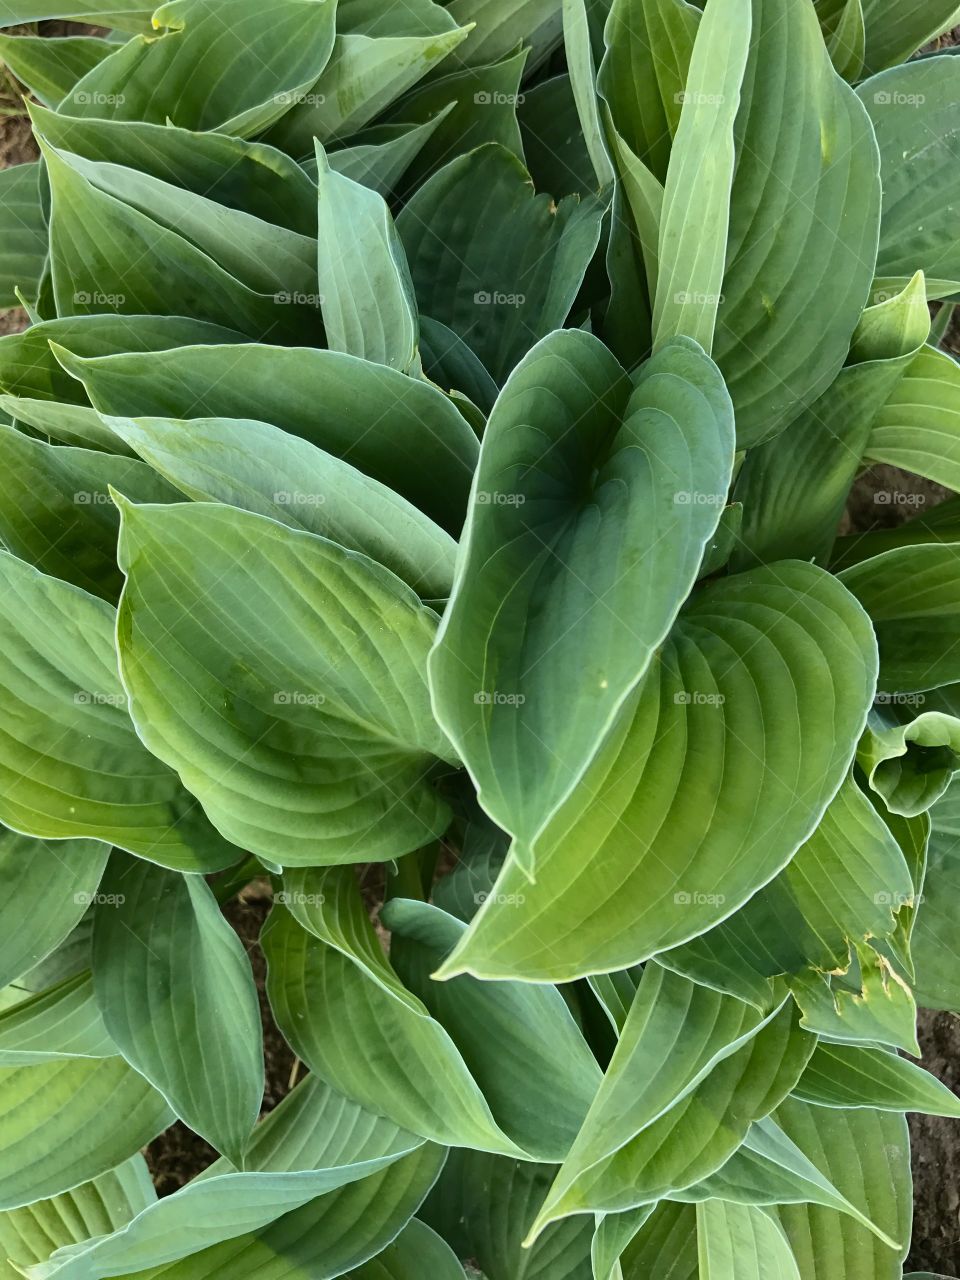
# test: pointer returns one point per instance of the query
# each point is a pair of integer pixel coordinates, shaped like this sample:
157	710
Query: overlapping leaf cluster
427	453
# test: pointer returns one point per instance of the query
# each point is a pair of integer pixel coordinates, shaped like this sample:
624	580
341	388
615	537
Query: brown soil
935	1149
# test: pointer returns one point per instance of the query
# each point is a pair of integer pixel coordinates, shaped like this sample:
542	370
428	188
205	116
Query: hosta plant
423	487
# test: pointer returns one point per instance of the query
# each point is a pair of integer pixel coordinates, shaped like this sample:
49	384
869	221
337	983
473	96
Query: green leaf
701	171
911	748
536	603
61	1022
614	1233
175	990
556	152
396	429
846	41
780	658
934	942
666	1246
81	427
364	76
58	514
366	292
806	189
940	524
583	86
918	428
743	1241
126	15
71	762
452	365
501	25
263	469
64	874
540	1051
260	68
23	234
416	1252
69	1121
29	1235
313	1143
51	67
333	965
378	157
911	108
843	1075
865	1154
275	736
873	1004
898	28
497	264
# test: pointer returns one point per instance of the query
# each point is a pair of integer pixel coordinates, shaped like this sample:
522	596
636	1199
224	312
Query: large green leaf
261	67
64	874
126	15
843	1075
417	1251
564	578
913	114
678	837
897	28
665	1246
61	1022
366	292
918	428
742	1241
261	468
503	24
806	189
71	762
276	737
23	235
397	429
934	943
68	1121
58	514
315	1142
691	251
51	67
175	990
497	264
379	156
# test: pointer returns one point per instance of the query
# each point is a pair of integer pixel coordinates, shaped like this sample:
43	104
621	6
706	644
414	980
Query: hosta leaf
912	595
28	366
865	1154
918	428
261	468
326	1237
163	77
896	30
911	748
280	736
675	1034
378	157
396	429
692	250
29	1235
164	947
581	63
742	1241
81	427
58	514
452	365
337	972
497	264
417	1251
99	245
846	41
69	1121
482	853
698	1134
366	292
63	875
23	235
420	17
534	603
666	1246
644	74
365	74
940	524
912	109
846	884
843	1075
249	176
614	1233
934	943
873	1004
483	1206
503	24
806	189
126	15
676	840
61	1022
71	762
51	68
313	1143
555	151
540	1049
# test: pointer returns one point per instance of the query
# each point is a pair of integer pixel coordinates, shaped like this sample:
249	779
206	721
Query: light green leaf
910	748
501	25
898	28
51	67
366	292
843	1075
61	1022
742	1241
701	172
277	738
263	469
378	157
126	15
537	603
614	1233
583	87
68	1121
416	17
70	760
58	514
934	943
175	990
79	426
873	1004
416	1252
23	234
64	874
918	428
398	430
806	189
677	838
497	264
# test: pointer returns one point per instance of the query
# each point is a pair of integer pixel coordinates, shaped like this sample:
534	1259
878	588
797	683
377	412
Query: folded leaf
918	428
